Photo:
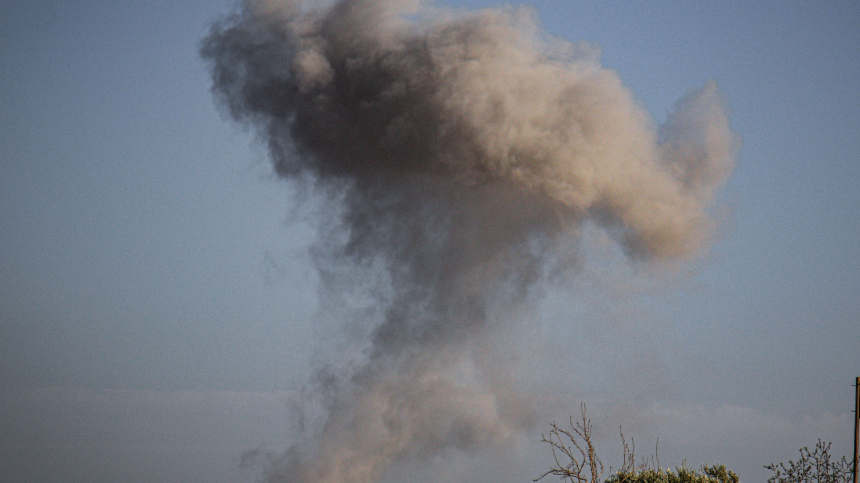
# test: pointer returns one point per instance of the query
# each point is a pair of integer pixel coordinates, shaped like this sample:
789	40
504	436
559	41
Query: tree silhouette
813	467
576	461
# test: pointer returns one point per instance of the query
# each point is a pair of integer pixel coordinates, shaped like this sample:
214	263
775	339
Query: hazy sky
157	303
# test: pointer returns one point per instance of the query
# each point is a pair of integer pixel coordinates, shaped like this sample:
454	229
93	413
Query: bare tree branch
584	467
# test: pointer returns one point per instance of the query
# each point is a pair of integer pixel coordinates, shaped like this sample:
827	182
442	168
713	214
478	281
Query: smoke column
460	153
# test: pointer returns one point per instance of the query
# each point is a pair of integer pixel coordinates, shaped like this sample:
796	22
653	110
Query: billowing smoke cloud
460	153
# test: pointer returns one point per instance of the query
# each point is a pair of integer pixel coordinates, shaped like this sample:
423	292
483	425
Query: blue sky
151	272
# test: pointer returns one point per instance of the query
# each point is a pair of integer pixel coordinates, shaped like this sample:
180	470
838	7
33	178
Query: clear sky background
157	303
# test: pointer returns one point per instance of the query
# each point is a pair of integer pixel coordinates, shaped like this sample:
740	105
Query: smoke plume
460	153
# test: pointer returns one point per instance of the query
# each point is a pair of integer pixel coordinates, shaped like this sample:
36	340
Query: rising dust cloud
460	154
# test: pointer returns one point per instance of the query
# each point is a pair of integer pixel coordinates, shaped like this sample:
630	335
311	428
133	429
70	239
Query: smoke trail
461	152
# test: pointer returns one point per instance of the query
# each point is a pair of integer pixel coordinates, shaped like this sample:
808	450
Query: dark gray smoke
460	151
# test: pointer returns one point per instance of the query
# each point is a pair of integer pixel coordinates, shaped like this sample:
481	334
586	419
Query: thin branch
579	436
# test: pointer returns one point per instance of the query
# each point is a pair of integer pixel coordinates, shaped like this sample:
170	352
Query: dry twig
584	467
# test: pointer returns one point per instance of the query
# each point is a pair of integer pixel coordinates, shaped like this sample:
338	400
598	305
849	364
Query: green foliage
813	467
708	474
